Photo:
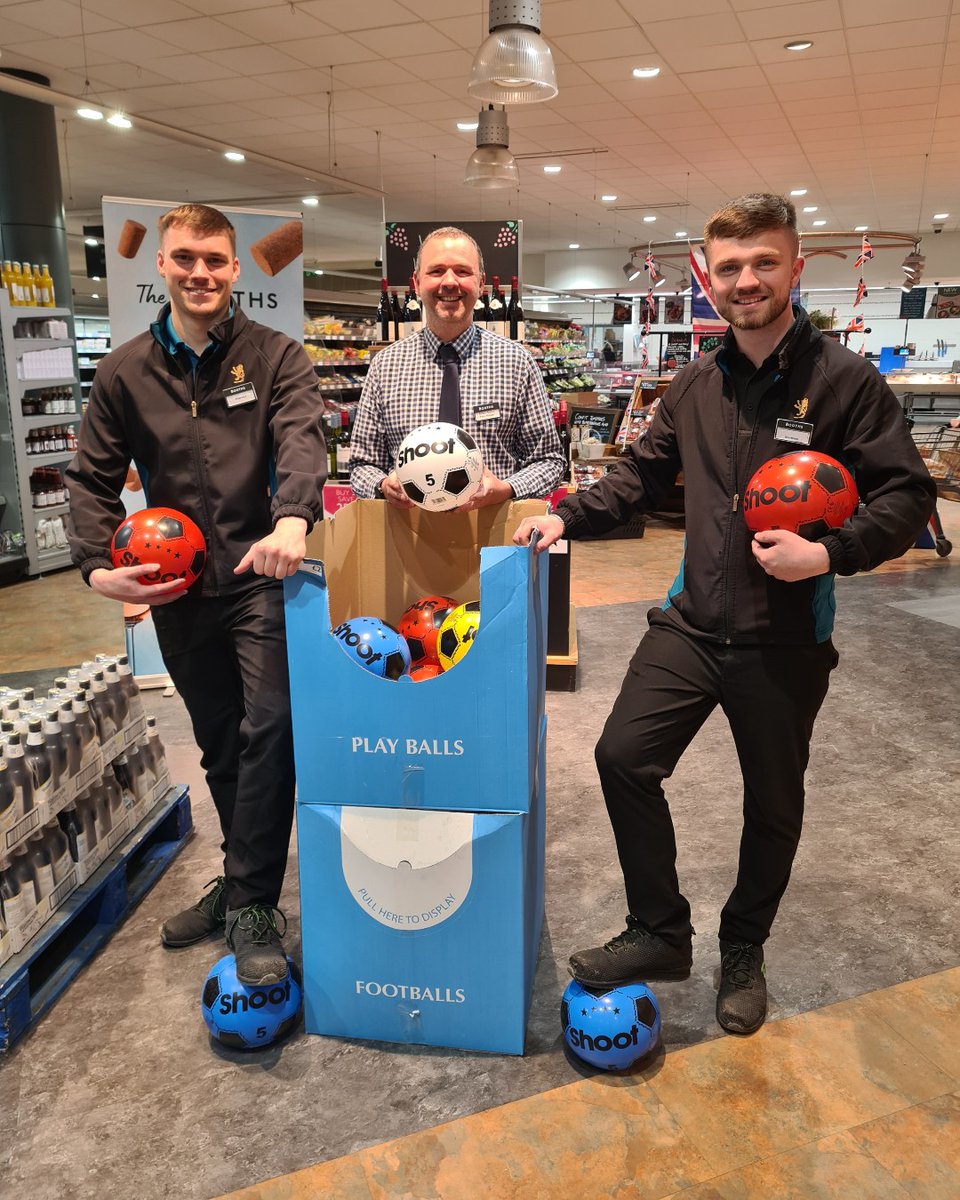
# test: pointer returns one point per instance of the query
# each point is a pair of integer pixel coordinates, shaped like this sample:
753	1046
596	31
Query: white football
439	466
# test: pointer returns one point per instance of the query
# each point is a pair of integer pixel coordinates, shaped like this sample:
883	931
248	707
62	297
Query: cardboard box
467	740
422	926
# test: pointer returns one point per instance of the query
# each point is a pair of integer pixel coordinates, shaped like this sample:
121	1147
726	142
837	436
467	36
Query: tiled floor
858	1101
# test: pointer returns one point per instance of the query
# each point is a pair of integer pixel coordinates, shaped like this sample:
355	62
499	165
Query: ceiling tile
875	12
827	45
808	69
279	24
324	52
398	40
193	68
641	10
128	45
59	18
202	35
592	45
868	38
791	21
707	58
371	14
136	12
715	80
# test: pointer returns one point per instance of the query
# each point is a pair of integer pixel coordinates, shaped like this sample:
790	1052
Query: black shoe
253	937
194	924
634	954
742	998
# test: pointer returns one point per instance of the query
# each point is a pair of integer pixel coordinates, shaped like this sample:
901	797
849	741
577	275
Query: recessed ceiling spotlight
552	169
90	114
940	216
312	201
234	156
810	208
574	246
119	121
799	192
860	228
646	72
819	222
467	126
649	217
798	45
608	198
680	233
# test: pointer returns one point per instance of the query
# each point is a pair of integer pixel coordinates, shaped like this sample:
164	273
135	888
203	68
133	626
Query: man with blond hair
221	417
747	624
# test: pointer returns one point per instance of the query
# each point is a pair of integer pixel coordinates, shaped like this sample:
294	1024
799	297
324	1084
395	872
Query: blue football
611	1029
248	1018
375	646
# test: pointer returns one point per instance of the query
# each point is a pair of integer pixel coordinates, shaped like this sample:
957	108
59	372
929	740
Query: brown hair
749	215
448	231
201	220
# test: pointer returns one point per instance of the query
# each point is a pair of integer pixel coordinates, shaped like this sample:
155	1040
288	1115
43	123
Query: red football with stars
806	492
420	625
163	536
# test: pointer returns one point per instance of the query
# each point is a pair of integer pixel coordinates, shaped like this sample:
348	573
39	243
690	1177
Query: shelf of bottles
93	342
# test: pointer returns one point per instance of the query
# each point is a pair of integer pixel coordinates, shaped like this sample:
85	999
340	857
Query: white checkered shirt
518	439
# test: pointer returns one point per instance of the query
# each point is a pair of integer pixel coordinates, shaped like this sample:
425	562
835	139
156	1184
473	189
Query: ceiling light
860	228
649	217
311	201
684	285
119	121
810	208
820	222
95	278
234	155
91	241
799	192
514	65
95	296
90	114
680	233
492	165
466	126
940	216
574	246
552	169
645	72
798	45
318	271
658	279
608	198
631	270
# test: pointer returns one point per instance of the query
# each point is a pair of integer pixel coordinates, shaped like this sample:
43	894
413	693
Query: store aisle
119	1090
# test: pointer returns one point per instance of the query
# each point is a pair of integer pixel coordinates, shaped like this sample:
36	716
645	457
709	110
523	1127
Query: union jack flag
649	264
855	326
706	319
861	291
644	359
866	251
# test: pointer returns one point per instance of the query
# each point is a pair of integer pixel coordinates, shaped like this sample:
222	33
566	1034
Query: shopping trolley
940	450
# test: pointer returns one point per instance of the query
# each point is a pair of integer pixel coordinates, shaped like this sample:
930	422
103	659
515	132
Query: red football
421	623
425	670
163	536
807	493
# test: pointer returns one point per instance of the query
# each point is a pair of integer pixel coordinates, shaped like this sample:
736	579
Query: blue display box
422	926
467	740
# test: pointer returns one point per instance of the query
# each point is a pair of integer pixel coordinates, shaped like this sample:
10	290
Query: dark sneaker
253	937
194	924
742	998
635	954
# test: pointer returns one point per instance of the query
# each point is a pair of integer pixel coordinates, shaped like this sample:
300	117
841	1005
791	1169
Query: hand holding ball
806	493
439	466
163	536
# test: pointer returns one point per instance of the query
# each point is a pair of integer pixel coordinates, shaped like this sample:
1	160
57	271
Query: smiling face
199	273
448	284
751	278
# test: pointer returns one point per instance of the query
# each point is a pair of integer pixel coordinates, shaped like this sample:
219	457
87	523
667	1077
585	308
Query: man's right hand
551	530
393	492
123	584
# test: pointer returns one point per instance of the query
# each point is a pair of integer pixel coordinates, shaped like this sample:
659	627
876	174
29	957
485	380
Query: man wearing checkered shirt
504	404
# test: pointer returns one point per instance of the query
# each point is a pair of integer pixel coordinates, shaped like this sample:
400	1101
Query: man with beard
747	624
452	370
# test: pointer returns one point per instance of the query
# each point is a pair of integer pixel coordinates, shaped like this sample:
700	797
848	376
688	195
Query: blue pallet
32	980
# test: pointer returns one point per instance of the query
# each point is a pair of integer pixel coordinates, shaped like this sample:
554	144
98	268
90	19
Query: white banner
269	247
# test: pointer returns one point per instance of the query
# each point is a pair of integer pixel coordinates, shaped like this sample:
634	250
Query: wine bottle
397	317
411	311
384	316
515	313
485	318
498	313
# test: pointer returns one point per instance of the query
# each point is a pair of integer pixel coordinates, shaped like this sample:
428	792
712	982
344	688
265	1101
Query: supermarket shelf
28	343
50	560
562	668
54	456
42	420
31	981
50	510
339	337
31	385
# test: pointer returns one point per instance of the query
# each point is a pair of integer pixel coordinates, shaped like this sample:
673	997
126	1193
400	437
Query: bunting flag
645	329
855	326
649	301
866	252
861	291
863	349
704	315
649	264
644	358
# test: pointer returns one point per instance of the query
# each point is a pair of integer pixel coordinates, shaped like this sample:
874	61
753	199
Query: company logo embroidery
800	408
238	373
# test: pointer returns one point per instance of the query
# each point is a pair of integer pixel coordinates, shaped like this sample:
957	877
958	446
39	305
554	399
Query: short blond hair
201	220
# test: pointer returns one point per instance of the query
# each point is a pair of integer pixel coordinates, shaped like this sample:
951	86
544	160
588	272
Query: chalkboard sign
913	304
599	423
676	353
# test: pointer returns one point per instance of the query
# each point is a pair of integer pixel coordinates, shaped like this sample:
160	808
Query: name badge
798	432
486	412
240	393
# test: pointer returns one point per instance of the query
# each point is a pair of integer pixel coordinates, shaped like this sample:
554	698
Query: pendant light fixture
492	165
514	65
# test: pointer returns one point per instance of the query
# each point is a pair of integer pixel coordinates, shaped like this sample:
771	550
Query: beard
765	313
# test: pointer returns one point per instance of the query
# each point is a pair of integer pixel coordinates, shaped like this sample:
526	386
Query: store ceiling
868	119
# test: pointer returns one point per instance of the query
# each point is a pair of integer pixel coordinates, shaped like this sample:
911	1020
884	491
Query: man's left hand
491	491
280	553
788	556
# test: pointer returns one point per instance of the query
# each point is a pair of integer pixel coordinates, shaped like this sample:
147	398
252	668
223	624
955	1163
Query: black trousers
227	658
770	696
